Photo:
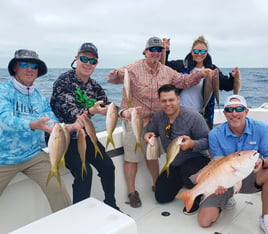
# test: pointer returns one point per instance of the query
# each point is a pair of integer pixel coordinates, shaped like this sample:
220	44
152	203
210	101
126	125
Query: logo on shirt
252	142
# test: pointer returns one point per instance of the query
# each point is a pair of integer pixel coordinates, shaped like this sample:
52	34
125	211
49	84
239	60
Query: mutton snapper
56	148
111	121
172	151
225	172
91	132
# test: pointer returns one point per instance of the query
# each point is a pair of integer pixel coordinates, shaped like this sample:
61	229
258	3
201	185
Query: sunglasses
25	65
196	51
237	109
168	130
85	59
155	49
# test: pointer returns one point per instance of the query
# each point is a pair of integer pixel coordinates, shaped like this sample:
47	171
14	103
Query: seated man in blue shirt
237	134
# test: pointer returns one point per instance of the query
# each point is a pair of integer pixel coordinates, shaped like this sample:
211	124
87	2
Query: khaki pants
37	169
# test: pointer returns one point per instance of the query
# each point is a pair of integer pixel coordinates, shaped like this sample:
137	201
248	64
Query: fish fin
97	150
84	170
138	144
110	140
165	168
237	186
128	102
62	163
187	198
54	172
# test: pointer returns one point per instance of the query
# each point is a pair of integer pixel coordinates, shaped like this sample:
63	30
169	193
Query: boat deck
23	202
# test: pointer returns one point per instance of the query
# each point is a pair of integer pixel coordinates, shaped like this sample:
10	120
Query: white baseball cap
241	101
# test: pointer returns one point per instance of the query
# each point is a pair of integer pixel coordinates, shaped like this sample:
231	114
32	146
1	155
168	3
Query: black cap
88	47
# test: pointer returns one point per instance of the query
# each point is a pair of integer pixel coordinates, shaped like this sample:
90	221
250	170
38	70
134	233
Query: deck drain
165	213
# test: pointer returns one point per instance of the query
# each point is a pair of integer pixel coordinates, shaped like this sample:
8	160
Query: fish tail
165	168
128	102
110	140
62	163
84	170
97	150
187	198
138	144
54	172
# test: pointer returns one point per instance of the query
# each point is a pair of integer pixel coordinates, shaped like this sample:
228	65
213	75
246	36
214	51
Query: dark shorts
248	186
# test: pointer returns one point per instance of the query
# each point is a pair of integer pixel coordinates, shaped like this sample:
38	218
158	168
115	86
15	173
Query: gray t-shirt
189	123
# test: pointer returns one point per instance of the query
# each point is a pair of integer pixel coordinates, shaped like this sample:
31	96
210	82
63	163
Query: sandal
134	199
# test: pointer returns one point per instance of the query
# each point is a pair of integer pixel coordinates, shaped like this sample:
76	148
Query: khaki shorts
248	186
129	142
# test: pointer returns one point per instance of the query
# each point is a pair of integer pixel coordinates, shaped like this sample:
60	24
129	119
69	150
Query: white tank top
193	97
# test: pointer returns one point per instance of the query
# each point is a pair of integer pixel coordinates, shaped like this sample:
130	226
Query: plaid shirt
145	83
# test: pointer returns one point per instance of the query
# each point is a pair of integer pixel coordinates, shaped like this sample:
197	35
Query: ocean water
254	87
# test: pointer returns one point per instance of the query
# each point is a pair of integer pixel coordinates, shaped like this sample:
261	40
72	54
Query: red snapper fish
226	172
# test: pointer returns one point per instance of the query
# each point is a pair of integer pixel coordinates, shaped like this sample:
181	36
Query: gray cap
153	42
30	56
88	47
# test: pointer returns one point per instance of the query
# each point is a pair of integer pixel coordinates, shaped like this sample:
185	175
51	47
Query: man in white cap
146	77
237	134
24	112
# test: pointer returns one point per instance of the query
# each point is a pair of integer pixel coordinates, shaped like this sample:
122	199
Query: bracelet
262	163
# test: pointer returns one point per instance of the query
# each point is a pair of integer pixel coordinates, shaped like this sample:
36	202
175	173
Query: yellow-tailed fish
237	84
56	147
82	147
216	86
67	138
91	132
172	151
225	172
153	149
137	125
127	87
111	121
207	93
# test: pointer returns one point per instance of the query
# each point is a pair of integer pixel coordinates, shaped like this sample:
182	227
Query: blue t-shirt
18	143
223	142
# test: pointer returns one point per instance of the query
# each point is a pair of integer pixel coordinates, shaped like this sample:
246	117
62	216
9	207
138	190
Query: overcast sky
236	30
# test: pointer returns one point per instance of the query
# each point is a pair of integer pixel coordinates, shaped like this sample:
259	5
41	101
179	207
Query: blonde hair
200	40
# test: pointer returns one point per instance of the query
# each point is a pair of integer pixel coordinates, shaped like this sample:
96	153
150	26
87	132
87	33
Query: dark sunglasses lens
203	51
239	108
92	61
34	66
23	65
155	49
83	59
229	109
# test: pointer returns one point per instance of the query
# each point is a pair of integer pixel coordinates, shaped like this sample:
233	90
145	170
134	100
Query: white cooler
88	216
